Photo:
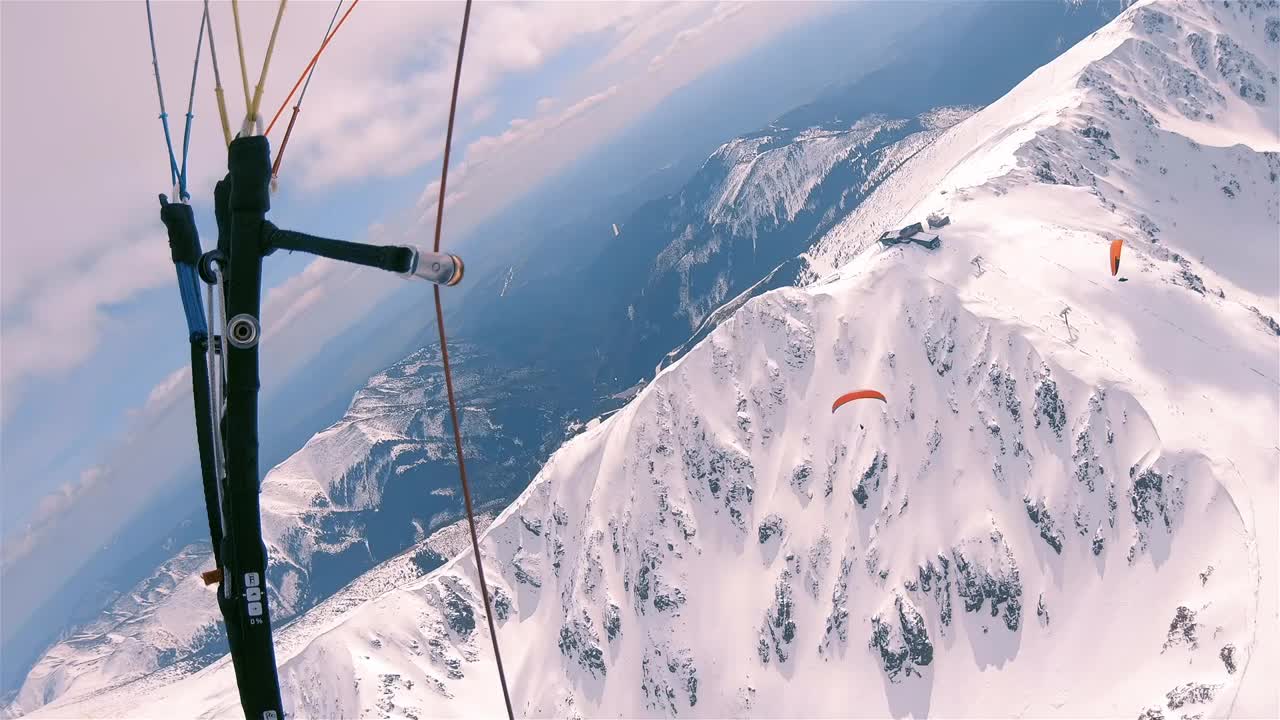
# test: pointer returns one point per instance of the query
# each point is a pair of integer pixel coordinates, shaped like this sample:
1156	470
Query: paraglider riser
241	202
243	594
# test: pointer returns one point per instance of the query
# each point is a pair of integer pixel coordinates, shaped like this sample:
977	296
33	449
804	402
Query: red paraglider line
310	65
448	374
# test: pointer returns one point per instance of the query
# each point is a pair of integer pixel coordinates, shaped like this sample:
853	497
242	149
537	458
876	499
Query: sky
95	415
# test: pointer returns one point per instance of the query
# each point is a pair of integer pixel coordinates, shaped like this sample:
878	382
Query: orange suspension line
311	64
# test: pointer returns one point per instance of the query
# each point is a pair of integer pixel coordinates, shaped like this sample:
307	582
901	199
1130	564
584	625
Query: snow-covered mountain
366	487
1067	506
165	617
103	656
371	486
383	477
744	223
782	194
757	203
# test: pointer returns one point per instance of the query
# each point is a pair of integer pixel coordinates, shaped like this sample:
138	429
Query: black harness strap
392	258
245	582
184	248
245	237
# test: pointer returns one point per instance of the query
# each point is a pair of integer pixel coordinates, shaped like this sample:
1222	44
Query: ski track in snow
1043	505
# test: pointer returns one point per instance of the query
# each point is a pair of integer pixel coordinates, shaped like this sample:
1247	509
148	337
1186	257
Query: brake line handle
436	267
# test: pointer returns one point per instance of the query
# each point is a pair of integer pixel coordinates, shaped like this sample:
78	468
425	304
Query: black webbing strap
204	438
393	258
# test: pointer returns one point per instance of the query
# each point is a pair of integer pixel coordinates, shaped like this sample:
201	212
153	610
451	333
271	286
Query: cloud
722	13
523	130
81	225
483	110
177	385
49	508
490	148
300	293
377	107
637	35
430	196
60	321
400	117
498	168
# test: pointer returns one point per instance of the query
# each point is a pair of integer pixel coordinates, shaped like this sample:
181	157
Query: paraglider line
191	102
244	72
309	73
178	177
448	374
217	78
307	69
164	116
323	40
266	63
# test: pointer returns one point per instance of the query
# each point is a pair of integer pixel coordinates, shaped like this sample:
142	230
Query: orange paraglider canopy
857	395
1115	256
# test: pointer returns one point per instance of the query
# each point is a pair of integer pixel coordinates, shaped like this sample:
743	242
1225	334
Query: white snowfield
1052	516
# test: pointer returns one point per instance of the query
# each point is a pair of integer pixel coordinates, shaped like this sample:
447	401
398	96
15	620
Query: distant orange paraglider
1115	256
857	395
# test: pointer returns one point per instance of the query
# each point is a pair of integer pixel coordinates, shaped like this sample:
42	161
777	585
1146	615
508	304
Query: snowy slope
329	500
865	172
1070	517
768	180
166	616
757	203
1171	89
364	489
98	661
